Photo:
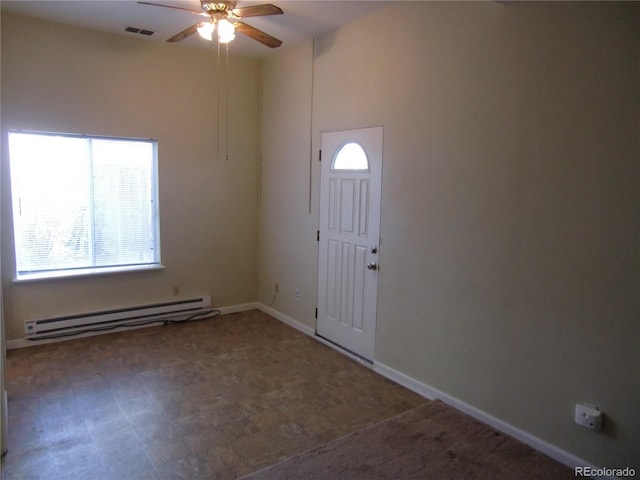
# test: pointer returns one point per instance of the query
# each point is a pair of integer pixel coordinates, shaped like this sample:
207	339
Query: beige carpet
432	441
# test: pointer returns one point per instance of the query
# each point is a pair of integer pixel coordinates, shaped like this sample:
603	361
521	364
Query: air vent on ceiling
140	31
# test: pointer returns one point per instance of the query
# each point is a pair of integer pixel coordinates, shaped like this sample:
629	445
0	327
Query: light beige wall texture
63	79
509	256
288	248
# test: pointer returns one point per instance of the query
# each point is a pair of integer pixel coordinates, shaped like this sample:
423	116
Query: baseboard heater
170	310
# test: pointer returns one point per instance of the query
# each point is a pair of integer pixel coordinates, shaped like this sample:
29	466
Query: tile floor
213	399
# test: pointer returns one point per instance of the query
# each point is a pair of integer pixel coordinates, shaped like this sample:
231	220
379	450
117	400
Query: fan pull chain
223	89
226	107
219	79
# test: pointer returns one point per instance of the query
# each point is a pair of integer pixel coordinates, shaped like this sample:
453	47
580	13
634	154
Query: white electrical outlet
297	294
588	416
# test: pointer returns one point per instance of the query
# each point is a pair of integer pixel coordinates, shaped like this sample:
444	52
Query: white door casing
349	230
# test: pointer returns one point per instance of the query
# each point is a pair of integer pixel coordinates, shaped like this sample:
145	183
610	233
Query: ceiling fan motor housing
221	6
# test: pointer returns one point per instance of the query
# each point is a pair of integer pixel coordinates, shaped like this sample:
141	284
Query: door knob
372	266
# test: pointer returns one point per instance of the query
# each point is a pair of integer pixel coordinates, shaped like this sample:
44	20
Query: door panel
349	237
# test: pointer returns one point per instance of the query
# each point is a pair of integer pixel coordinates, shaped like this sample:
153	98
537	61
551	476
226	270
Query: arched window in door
350	157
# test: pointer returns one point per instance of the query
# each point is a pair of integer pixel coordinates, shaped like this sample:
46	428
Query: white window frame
52	273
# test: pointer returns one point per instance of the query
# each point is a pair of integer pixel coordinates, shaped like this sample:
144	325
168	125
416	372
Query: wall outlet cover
588	416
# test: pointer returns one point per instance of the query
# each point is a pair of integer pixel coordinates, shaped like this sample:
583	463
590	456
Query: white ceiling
301	20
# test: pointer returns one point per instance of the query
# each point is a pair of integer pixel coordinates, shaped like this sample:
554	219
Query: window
350	157
83	204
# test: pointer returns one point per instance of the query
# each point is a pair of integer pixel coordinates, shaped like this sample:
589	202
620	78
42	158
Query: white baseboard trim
527	438
22	342
242	307
286	319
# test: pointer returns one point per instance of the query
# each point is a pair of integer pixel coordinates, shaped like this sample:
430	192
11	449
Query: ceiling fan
223	15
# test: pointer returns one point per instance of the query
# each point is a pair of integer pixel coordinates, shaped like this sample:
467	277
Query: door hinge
317	235
316	312
320	155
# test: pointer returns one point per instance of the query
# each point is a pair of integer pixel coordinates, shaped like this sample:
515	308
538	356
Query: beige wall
509	255
288	250
57	78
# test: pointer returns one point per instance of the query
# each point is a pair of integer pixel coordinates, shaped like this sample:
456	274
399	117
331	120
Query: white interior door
350	183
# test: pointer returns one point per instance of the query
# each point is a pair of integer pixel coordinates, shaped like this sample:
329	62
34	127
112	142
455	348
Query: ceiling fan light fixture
226	31
221	12
205	30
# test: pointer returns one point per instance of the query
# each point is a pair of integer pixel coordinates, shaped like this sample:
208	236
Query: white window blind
83	204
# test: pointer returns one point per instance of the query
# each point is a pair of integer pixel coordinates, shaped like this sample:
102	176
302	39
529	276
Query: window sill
85	272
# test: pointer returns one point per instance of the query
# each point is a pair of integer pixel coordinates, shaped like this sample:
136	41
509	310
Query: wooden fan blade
257	11
184	34
196	12
258	35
